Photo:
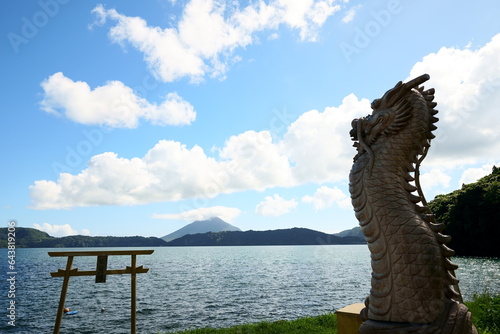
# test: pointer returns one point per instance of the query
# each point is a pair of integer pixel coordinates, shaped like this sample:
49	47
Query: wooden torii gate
100	276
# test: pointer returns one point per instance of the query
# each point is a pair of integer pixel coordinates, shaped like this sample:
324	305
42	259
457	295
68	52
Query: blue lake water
195	287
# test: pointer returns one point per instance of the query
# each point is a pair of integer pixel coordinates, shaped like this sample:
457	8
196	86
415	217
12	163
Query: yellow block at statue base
349	319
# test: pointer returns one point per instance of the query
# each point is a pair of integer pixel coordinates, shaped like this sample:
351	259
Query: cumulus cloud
471	175
275	206
315	148
59	230
168	172
326	197
467	84
225	213
256	161
112	104
209	32
318	143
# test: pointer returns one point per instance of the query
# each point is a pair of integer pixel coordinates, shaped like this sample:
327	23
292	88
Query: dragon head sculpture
391	113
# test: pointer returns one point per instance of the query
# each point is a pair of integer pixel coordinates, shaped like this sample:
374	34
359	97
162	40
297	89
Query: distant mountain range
32	238
214	224
211	232
293	236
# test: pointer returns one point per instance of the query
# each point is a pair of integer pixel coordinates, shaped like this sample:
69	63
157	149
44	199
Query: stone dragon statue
413	283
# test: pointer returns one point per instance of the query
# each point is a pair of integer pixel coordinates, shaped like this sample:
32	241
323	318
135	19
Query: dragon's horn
392	96
417	81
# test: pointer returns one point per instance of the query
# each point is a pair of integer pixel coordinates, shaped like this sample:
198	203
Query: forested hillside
26	237
472	216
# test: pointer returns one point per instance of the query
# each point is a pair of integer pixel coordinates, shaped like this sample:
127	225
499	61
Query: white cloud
471	175
275	206
326	197
59	230
315	148
318	143
113	104
168	172
256	161
209	32
225	213
434	179
351	13
467	84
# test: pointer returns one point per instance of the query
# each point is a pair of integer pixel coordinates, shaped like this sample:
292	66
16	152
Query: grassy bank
323	324
485	311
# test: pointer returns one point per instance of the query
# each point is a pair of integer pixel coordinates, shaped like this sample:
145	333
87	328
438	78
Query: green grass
323	324
485	310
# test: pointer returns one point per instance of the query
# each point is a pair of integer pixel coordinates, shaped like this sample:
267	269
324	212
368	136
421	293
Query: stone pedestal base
457	320
381	327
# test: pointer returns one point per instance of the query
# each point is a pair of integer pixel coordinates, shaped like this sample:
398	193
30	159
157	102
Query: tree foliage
472	216
24	236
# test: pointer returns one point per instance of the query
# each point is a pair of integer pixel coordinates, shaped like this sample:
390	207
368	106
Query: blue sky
136	118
